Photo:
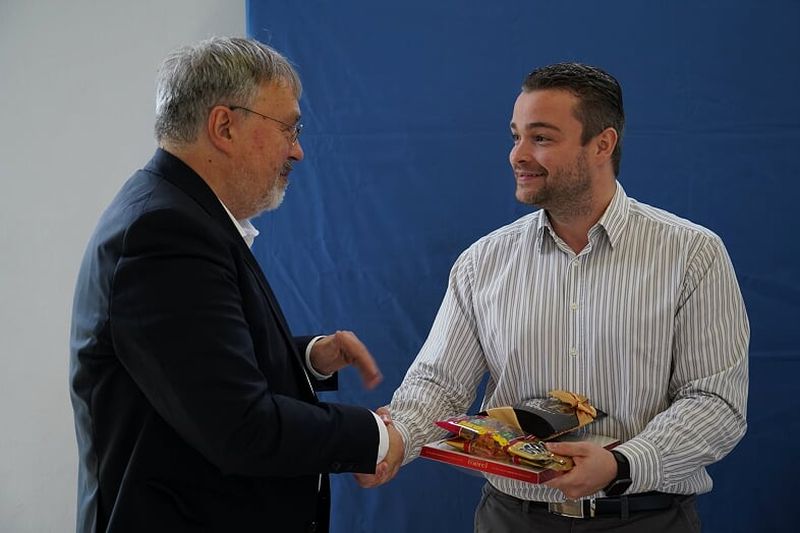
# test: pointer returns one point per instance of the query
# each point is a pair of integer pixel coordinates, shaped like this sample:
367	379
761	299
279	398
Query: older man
195	407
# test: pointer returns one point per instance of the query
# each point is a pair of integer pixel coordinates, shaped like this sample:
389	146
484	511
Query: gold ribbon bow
583	409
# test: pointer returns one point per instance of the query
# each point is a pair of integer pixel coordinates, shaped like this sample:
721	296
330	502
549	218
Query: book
443	452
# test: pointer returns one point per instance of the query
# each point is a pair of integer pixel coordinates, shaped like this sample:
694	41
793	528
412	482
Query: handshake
386	469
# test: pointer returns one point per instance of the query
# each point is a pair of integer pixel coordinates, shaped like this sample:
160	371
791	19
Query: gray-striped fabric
647	321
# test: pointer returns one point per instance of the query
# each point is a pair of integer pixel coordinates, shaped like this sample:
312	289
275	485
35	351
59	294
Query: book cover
445	453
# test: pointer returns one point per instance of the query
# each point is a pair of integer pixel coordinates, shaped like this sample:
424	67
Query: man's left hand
343	348
594	469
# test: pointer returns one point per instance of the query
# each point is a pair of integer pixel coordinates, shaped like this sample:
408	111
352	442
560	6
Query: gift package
509	441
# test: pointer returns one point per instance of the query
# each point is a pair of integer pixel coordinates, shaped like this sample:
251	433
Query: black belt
592	507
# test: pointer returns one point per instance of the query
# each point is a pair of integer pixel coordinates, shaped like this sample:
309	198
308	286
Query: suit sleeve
179	329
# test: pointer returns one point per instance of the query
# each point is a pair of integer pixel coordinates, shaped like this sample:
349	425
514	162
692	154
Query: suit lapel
276	310
182	176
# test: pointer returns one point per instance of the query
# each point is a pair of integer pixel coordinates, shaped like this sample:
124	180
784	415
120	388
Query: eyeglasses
295	129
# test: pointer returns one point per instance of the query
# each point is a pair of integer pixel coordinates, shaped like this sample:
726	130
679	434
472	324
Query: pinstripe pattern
647	321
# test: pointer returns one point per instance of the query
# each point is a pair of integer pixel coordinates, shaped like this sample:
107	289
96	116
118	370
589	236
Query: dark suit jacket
192	408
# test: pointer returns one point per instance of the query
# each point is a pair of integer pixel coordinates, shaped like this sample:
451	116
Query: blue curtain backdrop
406	108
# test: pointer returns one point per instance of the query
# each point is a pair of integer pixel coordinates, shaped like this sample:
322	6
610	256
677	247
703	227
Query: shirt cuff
383	444
646	465
320	377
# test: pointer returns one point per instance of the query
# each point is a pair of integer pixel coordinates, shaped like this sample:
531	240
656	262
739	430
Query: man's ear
219	128
604	143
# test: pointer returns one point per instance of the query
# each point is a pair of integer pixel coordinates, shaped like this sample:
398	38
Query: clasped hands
386	469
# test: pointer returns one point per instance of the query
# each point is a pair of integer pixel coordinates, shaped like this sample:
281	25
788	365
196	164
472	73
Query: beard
273	198
566	190
270	199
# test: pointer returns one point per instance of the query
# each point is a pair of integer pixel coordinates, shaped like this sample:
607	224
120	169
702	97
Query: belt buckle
573	508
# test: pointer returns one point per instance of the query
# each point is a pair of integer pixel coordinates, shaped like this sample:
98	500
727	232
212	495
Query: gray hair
217	71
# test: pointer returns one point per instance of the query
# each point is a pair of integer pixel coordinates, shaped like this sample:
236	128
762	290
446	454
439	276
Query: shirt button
573	306
573	351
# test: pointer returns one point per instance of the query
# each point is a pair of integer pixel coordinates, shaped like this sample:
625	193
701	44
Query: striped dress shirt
647	321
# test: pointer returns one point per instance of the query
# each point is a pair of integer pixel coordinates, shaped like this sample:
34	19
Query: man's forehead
279	94
277	89
544	107
549	97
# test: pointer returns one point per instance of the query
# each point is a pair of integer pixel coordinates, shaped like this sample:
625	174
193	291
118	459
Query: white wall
76	115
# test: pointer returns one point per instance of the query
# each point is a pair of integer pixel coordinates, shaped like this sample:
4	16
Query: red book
443	452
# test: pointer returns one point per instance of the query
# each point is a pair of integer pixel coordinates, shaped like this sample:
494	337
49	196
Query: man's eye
514	137
540	138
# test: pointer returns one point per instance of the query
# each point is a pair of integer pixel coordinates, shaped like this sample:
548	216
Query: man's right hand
388	468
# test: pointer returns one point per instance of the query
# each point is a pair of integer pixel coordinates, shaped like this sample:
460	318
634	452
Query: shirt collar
244	227
612	221
616	215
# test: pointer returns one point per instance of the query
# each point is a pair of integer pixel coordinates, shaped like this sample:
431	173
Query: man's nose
297	153
519	154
